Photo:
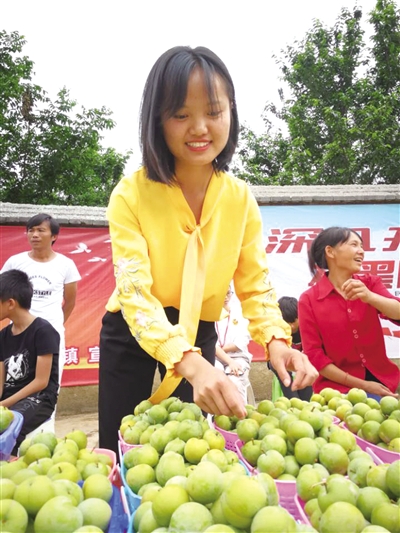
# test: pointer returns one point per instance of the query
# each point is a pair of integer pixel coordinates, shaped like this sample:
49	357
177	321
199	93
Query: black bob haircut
165	92
15	284
36	220
288	306
328	237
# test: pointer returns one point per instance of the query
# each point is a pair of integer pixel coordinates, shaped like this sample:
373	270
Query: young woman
339	318
181	230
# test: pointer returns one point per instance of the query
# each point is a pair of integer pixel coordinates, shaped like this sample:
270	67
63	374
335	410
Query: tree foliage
340	123
50	151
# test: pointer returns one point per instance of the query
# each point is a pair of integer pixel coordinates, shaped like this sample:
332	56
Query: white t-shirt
48	280
233	329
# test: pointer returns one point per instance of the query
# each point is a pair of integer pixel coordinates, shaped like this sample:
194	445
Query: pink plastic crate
378	454
124	445
289	500
113	475
229	436
286	489
238	449
300	509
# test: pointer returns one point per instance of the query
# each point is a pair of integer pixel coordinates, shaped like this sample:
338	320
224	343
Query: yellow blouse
150	226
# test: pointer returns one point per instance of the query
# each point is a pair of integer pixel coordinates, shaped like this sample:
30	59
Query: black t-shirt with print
296	341
20	353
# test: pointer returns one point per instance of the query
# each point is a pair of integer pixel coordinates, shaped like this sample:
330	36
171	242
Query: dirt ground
86	422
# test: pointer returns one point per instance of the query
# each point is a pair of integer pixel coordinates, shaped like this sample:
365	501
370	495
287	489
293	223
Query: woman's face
228	297
198	132
348	255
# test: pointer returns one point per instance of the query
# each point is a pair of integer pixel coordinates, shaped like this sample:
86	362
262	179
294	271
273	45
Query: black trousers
126	372
36	409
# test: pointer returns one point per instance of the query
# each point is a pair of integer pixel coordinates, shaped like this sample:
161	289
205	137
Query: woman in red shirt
339	318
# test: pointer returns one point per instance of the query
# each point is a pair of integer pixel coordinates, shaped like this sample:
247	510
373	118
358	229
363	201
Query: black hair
165	92
36	220
328	237
288	307
15	284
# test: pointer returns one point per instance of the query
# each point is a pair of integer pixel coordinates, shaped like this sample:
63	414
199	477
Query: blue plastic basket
132	498
119	519
9	437
130	527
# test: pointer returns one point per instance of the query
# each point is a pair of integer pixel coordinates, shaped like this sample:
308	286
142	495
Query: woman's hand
374	387
354	289
285	359
213	391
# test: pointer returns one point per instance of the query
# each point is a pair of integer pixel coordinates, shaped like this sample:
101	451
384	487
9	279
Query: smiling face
198	132
348	255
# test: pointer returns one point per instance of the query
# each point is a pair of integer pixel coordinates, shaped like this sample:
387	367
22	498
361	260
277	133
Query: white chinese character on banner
94	354
72	356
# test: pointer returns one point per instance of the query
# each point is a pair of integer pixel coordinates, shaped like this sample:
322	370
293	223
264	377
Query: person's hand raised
355	289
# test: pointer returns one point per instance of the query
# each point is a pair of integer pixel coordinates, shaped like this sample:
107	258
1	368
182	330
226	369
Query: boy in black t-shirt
288	306
29	349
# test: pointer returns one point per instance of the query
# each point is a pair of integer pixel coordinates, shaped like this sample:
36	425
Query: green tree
50	152
341	120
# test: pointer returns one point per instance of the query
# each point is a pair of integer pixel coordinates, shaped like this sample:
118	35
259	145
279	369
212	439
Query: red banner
90	249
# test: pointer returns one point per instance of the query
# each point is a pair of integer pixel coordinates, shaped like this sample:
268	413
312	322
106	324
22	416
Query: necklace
225	333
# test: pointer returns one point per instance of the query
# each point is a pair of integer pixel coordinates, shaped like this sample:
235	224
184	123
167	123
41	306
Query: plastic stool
250	395
276	389
46	426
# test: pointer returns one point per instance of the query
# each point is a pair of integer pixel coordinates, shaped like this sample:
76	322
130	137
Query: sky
103	51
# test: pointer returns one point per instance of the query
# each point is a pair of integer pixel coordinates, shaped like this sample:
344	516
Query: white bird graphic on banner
80	248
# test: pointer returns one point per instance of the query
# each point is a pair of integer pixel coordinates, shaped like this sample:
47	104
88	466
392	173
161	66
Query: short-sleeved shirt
20	354
48	279
345	333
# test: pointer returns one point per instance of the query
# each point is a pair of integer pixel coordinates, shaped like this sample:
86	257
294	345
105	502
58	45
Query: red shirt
345	333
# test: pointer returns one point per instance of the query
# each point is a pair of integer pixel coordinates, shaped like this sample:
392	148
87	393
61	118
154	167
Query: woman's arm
355	289
142	311
40	382
213	391
334	373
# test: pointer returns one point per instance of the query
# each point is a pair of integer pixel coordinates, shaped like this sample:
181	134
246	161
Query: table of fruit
330	465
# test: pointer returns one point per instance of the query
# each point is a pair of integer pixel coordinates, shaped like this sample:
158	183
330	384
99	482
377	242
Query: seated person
288	306
29	349
340	318
231	353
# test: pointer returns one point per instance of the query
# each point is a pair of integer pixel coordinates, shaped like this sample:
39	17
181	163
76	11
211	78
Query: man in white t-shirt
54	276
